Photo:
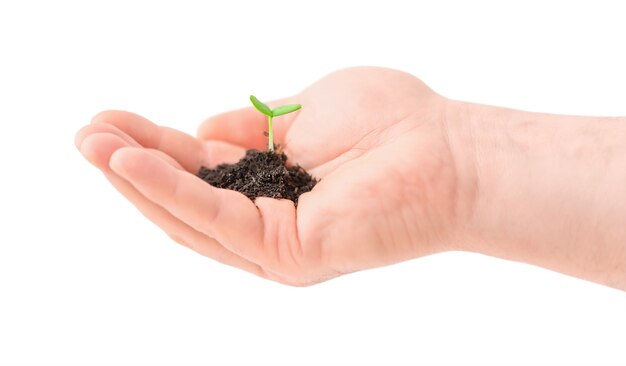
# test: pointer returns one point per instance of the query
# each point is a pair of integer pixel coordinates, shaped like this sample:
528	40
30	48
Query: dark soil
261	174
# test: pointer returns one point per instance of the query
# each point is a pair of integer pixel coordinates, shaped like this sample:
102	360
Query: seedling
262	173
271	113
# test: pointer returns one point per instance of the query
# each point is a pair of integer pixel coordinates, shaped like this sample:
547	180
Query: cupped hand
376	139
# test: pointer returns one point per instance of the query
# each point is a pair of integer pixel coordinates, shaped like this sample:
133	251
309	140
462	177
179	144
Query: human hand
376	138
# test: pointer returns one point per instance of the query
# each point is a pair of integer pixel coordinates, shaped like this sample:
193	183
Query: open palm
375	137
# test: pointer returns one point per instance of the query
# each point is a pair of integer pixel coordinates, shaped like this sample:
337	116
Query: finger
293	262
245	127
180	232
101	128
99	147
216	152
185	149
228	216
107	142
220	152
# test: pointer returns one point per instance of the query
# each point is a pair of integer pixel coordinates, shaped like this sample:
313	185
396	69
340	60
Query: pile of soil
261	174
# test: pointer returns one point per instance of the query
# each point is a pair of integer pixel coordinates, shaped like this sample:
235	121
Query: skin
404	173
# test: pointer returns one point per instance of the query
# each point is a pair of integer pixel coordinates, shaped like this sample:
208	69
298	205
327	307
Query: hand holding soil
403	172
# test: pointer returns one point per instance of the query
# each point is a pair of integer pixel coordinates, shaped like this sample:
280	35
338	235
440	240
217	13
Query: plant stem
270	142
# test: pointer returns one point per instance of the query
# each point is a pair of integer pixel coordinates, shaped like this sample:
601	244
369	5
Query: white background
85	279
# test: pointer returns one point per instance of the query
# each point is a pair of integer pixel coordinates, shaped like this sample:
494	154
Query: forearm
547	190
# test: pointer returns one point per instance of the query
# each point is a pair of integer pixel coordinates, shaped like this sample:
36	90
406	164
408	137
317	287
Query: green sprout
271	113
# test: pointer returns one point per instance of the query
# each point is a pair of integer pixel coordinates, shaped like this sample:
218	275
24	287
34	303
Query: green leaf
284	109
260	106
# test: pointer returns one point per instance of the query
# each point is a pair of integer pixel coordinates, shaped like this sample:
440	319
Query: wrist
473	137
546	189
